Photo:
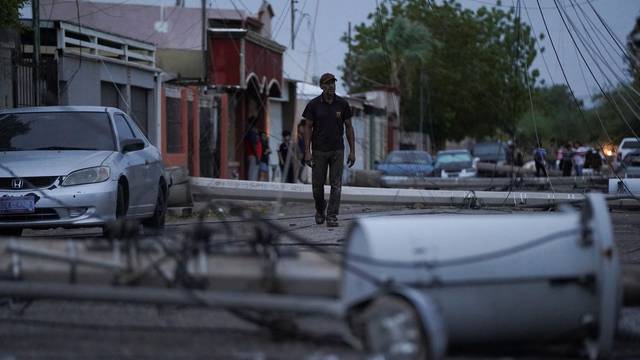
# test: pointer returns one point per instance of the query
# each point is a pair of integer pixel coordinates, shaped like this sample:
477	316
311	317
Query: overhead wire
630	58
495	4
577	103
590	51
533	114
80	57
604	93
625	87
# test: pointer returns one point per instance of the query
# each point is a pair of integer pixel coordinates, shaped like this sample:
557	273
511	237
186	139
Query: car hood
49	162
491	157
454	166
405	169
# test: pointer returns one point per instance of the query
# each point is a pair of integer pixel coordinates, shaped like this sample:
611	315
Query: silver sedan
77	167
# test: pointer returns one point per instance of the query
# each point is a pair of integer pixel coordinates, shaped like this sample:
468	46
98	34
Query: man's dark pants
334	161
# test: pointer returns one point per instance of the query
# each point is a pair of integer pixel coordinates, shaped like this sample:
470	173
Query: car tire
112	230
11	232
160	212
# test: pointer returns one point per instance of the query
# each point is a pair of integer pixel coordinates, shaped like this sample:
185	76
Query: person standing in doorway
264	157
327	118
286	157
252	149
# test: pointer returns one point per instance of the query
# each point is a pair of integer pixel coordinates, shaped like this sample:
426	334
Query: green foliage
558	120
10	12
474	65
556	117
618	113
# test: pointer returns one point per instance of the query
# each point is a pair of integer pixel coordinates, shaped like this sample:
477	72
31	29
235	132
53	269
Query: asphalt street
81	330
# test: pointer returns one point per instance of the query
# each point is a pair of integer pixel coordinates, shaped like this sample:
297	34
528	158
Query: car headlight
88	176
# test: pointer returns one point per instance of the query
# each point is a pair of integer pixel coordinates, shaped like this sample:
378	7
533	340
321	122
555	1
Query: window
123	129
109	95
631	144
174	126
139	109
56	130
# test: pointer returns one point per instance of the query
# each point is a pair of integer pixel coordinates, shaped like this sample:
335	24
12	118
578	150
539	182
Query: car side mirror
130	145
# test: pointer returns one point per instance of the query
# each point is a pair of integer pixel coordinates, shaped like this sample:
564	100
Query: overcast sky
324	52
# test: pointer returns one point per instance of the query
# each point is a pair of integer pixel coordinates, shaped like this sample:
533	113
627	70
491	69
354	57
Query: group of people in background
570	158
290	154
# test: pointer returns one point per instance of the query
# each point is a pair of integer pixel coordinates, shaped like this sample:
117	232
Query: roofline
48	109
51	24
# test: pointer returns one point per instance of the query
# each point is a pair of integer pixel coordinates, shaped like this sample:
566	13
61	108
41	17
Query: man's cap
326	77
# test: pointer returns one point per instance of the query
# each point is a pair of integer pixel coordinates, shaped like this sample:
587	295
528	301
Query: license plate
17	205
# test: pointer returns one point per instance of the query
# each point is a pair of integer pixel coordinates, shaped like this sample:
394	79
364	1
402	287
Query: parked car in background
454	163
403	167
491	152
77	167
626	146
630	165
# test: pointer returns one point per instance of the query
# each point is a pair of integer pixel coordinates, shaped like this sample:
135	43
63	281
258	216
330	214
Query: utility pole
348	71
293	22
205	26
349	38
35	11
421	107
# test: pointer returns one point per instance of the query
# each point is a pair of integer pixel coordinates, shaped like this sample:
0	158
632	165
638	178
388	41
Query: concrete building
81	65
230	62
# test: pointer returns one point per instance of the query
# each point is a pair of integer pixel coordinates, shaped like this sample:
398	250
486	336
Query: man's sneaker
319	218
332	221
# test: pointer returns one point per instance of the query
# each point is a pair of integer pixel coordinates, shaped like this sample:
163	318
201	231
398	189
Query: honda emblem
17	183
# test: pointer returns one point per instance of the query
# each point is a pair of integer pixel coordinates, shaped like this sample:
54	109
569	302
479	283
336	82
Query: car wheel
160	212
111	230
11	232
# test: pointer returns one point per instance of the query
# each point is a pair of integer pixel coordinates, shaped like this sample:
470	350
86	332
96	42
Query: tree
475	64
10	12
616	114
556	118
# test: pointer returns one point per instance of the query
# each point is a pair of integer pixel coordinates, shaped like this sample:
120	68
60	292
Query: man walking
326	119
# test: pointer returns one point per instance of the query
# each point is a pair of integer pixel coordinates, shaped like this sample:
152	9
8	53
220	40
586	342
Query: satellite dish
161	26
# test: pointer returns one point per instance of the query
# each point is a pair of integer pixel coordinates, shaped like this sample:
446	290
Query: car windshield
631	144
409	157
56	131
453	157
488	150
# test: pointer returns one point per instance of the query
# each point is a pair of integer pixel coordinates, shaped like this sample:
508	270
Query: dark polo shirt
328	122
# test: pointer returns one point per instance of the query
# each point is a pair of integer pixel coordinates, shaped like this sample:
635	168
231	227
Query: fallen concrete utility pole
457	281
495	282
624	186
631	284
489	168
256	190
230	300
503	182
